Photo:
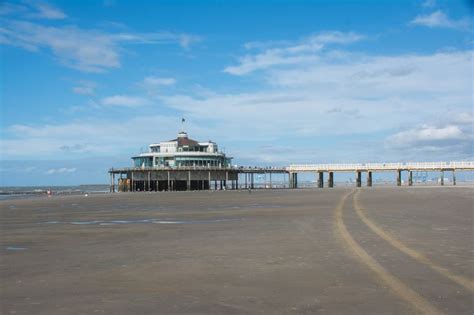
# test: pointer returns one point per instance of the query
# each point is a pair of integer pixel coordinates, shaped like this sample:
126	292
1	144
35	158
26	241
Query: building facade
182	152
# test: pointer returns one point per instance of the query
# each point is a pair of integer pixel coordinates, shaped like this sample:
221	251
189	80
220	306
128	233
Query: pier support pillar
399	177
320	179
168	185
270	180
226	180
410	178
331	180
369	179
132	184
149	179
251	181
294	180
237	182
454	177
358	178
245	177
442	178
189	181
112	182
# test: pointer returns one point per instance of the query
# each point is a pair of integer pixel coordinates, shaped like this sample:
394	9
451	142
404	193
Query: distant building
182	152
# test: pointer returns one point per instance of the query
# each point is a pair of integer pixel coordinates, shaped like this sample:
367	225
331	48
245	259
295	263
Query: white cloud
152	84
7	8
85	88
454	135
87	50
157	81
290	53
363	93
61	170
439	19
87	137
429	3
32	9
47	11
123	100
428	133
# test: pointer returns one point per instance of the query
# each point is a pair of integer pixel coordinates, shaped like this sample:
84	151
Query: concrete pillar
358	178
111	182
331	180
209	180
220	185
226	179
251	181
410	178
320	179
149	178
454	177
189	181
132	184
399	177
168	187
237	182
369	179
295	180
215	185
442	178
246	175
270	180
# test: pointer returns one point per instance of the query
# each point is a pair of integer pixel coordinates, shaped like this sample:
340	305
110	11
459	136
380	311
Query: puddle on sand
140	221
195	221
85	222
16	248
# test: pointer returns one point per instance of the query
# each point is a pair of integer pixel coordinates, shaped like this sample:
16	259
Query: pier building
180	152
178	164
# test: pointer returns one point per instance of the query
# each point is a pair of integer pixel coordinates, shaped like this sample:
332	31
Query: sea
20	192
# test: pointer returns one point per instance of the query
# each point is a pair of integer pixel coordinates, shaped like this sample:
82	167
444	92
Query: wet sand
383	250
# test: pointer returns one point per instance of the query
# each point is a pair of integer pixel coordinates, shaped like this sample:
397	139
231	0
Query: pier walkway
240	177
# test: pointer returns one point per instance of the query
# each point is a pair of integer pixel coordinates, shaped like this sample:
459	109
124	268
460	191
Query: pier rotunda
178	164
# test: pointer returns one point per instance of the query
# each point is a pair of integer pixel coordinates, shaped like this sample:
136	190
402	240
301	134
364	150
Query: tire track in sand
399	288
465	282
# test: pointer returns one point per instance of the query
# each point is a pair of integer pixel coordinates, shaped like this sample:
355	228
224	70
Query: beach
378	250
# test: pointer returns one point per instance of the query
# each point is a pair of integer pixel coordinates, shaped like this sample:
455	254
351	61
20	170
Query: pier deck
242	177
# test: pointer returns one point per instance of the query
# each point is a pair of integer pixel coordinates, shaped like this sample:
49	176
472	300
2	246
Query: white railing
462	165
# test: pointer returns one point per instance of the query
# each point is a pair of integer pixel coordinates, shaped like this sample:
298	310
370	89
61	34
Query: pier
230	178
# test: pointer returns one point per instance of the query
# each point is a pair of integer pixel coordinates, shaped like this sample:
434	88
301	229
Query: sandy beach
380	250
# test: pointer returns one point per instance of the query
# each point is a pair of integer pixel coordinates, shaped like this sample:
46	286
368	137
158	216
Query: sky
87	84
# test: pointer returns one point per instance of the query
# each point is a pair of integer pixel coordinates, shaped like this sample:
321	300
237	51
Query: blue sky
87	84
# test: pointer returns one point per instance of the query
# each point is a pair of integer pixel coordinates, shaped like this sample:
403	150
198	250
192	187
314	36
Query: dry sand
407	250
